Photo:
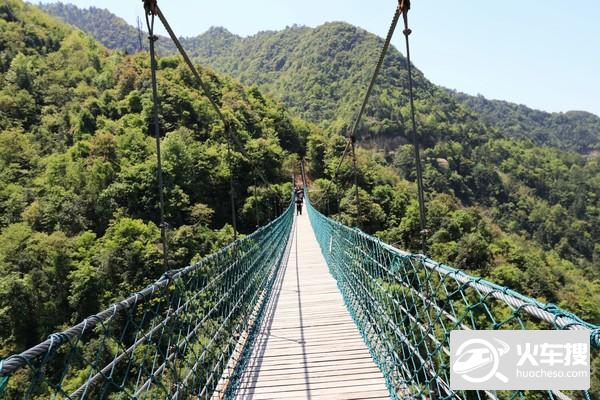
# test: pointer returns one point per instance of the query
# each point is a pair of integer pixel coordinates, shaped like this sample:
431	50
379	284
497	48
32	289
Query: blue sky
535	52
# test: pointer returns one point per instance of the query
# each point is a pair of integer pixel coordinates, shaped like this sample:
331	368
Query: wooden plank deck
308	346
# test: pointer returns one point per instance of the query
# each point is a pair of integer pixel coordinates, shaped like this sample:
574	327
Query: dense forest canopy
78	201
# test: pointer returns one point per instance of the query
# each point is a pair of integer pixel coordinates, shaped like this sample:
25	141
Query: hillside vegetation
78	198
574	130
519	198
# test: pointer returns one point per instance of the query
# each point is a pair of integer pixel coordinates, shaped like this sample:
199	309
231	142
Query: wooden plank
370	395
336	387
331	392
313	354
308	346
316	373
322	369
290	381
265	366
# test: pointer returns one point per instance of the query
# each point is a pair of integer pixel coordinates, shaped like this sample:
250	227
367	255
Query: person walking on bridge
299	200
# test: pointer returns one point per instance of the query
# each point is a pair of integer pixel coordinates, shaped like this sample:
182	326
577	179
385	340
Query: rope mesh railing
174	339
405	306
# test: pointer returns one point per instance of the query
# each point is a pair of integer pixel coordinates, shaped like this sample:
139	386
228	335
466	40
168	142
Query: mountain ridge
312	72
573	129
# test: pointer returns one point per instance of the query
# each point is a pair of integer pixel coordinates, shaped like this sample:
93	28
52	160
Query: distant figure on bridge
299	193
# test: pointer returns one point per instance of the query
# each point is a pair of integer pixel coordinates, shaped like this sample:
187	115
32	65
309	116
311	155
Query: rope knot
56	338
595	337
3	379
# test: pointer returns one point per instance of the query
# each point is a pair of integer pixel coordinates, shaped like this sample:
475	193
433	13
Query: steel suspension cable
382	54
152	10
361	111
352	136
155	109
226	124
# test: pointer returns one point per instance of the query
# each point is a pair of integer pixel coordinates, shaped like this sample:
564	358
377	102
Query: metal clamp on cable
404	7
151	7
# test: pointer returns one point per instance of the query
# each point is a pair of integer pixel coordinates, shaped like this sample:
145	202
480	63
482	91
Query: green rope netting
179	338
405	306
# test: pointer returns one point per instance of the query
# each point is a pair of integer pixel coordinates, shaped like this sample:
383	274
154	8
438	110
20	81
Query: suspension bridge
303	308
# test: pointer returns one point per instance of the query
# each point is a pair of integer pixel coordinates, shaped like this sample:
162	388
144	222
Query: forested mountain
574	130
77	168
114	31
319	73
518	194
110	30
315	72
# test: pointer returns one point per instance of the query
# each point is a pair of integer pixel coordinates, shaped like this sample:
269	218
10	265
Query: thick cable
226	125
352	135
14	362
382	54
206	90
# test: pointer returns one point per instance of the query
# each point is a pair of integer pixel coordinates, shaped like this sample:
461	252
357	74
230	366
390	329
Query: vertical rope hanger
149	13
404	7
357	199
232	191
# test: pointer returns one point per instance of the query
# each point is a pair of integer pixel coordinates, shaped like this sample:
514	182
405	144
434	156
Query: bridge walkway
308	346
